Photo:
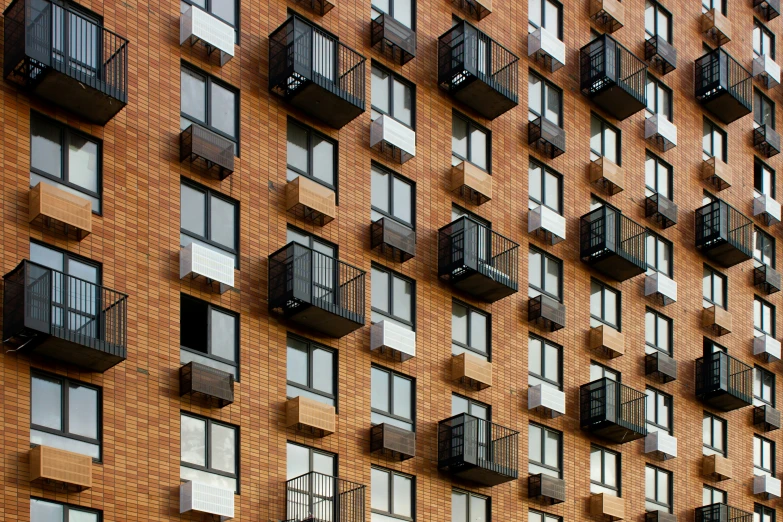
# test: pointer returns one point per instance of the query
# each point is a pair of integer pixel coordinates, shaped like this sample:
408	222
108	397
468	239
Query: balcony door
75	37
460	405
323	265
474	236
317	49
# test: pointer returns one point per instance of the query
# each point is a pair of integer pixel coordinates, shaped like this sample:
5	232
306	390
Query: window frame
471	403
762	511
66	509
772	449
657	315
312	346
713	274
390	391
712	491
471	125
468	494
559	7
758	105
544	170
311	450
68	256
208	194
544	429
764	372
391	77
658	8
209	355
545	84
708	445
766	238
771	332
668	508
545	517
659	239
391	495
604	126
604	370
667	92
659	163
391	13
471	310
658	393
313	239
311	132
760	169
722	5
544	342
546	257
604	288
618	471
208	449
392	274
758	24
390	191
715	128
208	81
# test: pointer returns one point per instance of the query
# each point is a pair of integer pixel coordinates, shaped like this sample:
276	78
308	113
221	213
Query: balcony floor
486	474
483	98
97	359
616	267
483	287
327	106
323	321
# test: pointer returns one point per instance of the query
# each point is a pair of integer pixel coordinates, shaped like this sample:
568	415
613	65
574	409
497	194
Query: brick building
303	298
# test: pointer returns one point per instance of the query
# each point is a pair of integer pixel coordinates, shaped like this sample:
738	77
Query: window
49	511
210	103
659	333
658	177
393	96
310	154
708	198
763	41
547	14
62	156
715	288
762	513
393	298
715	435
604	305
209	452
209	219
763	317
710	346
301	460
544	451
604	471
715	142
658	489
545	363
718	5
711	496
460	404
599	371
311	371
208	335
392	495
65	414
470	330
469	507
763	110
604	140
392	196
763	248
545	188
470	142
393	398
657	21
763	387
226	10
458	212
404	11
763	179
763	456
538	516
545	275
659	254
310	241
544	99
659	410
659	99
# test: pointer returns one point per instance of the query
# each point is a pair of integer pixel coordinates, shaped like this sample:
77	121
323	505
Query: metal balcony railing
216	151
767	278
547	137
386	32
322	498
612	243
546	311
661	53
612	410
723	382
724	86
661	209
721	513
723	233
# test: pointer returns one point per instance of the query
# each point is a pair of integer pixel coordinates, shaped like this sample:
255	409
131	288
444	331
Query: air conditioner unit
196	260
196	496
196	24
546	399
399	342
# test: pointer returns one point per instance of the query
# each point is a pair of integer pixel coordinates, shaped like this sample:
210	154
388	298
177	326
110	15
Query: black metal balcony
477	450
477	260
766	140
723	86
477	71
546	489
216	151
63	56
612	411
393	38
393	239
766	278
768	9
767	417
661	209
613	77
721	513
612	243
660	54
392	442
723	382
200	379
46	312
723	234
546	137
313	71
315	497
660	366
316	291
547	312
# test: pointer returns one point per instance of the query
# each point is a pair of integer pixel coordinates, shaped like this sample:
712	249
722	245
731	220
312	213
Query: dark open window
209	335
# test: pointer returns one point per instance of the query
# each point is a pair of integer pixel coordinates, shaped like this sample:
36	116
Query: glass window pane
296	152
552	449
534	182
225	9
82	162
551	17
42	511
223	109
663	487
46	148
297	362
47	403
478	509
323	370
77	515
534	92
459	405
380	290
323	160
223	335
478	148
403	200
403	298
552	191
595	135
553	105
534	269
403	102
323	463
459	137
534	356
610	145
380	390
610	306
380	488
717	429
552	277
297	461
535	453
718	285
403	493
595	465
193	437
403	397
552	363
707	138
649	482
380	190
459	323
595	298
83	411
193	208
380	90
610	469
223	448
193	95
403	12
222	222
478	331
459	507
534	12
717	138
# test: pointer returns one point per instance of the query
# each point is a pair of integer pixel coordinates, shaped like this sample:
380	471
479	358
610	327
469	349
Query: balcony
546	400
717	467
392	442
717	173
660	131
767	487
716	27
310	416
660	444
545	47
546	489
477	450
767	9
196	142
471	183
723	234
767	278
612	411
767	417
316	291
766	348
723	86
766	140
546	224
199	261
661	210
315	497
197	25
613	77
722	513
88	329
319	7
393	239
477	71
607	175
661	287
659	516
477	260
546	312
199	497
723	382
613	244
60	209
85	73
65	470
314	72
199	379
607	506
767	71
310	201
393	341
393	139
661	54
479	9
717	319
608	15
767	209
393	38
660	366
471	371
546	137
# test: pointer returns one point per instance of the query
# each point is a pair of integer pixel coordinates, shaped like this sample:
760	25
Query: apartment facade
390	260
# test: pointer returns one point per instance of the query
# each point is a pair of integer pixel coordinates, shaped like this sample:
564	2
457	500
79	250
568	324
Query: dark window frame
208	81
658	164
713	129
606	125
392	274
312	451
667	92
670	419
472	402
472	309
606	288
390	191
762	511
544	429
309	175
658	8
713	274
658	240
759	169
391	495
765	239
543	16
709	445
311	346
472	124
68	507
773	449
618	471
67	256
544	170
714	490
544	85
758	106
559	262
544	516
669	320
391	13
208	194
544	342
391	76
488	515
312	239
766	31
668	508
764	372
605	369
723	5
209	355
764	302
392	373
208	449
